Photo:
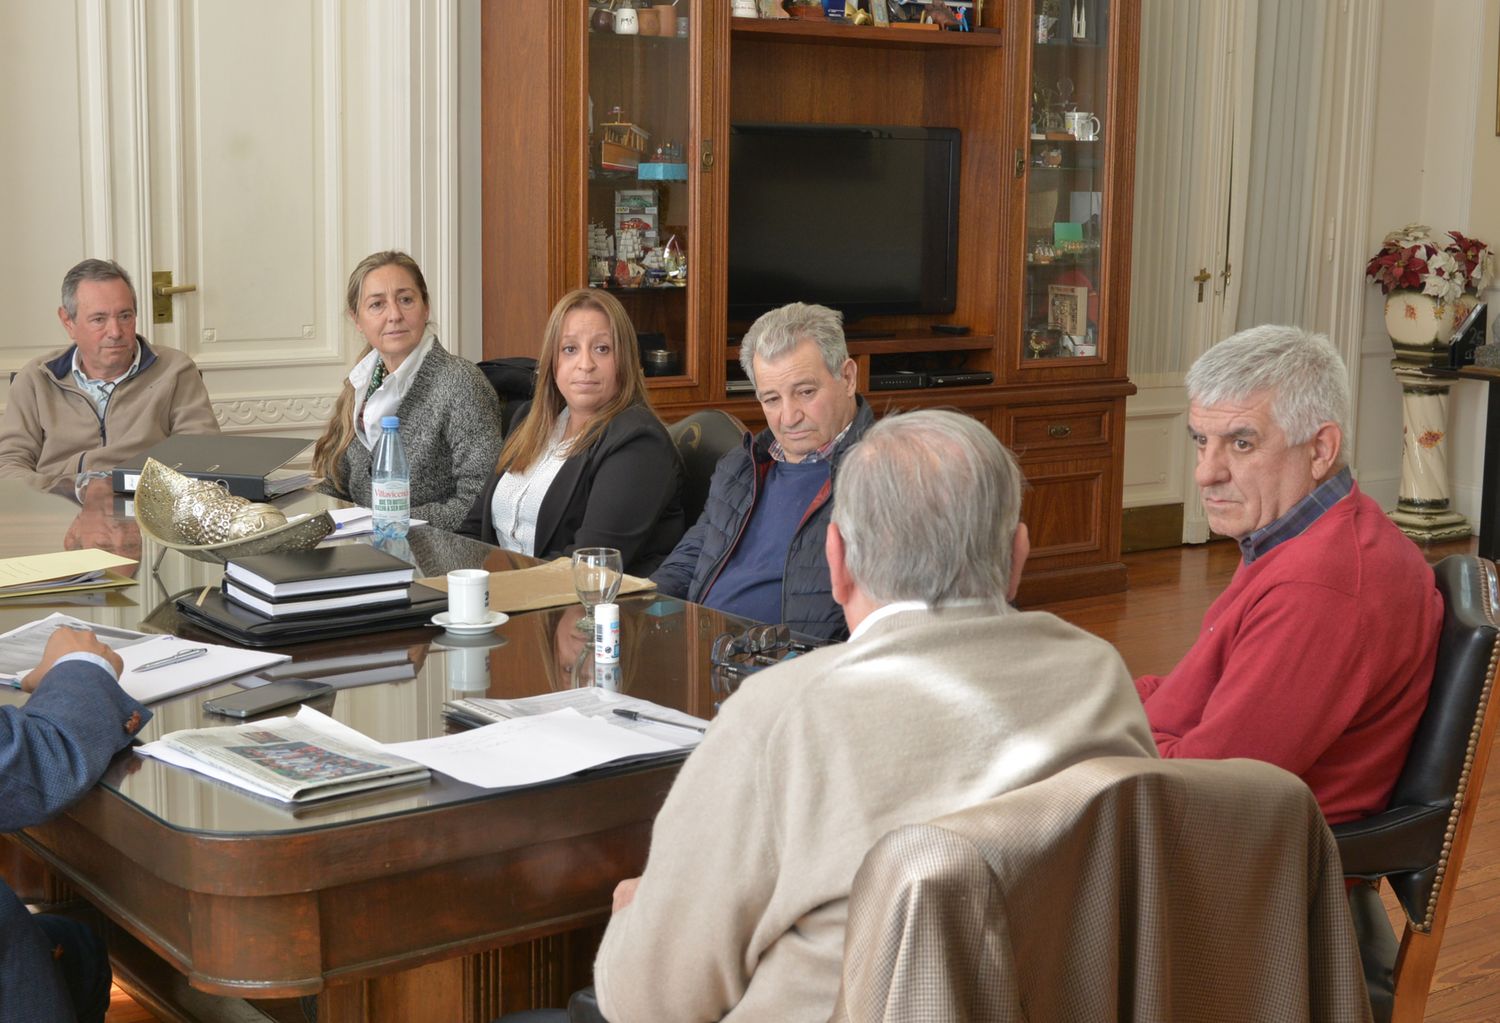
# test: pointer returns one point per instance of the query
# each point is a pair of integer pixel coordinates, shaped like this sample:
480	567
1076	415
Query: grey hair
927	503
780	330
93	270
1301	370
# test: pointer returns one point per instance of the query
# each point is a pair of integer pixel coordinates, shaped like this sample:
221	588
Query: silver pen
177	658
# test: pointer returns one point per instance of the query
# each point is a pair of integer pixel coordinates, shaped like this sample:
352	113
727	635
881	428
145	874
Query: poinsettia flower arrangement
1411	260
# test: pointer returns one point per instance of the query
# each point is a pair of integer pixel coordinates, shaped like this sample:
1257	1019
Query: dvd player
972	378
898	381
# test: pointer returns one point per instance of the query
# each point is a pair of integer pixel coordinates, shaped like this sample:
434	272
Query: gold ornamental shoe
203	520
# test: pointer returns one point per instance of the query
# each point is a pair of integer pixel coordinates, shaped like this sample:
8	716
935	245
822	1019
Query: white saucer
496	618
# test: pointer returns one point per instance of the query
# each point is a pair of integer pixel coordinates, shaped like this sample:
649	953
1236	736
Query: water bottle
390	484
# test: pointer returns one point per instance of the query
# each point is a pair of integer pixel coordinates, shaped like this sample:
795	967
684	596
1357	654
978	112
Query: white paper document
660	722
349	522
529	750
215	664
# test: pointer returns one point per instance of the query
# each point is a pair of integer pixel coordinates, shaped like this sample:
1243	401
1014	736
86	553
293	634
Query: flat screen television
862	218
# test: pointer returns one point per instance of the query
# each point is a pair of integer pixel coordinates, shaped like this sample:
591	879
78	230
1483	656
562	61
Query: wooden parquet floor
1152	624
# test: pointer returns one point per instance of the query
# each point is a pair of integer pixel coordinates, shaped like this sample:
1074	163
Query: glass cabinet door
639	92
1065	187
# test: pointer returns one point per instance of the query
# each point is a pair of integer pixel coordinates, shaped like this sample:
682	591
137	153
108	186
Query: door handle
162	290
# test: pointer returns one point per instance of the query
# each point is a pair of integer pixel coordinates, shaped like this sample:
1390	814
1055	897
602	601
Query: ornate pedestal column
1420	327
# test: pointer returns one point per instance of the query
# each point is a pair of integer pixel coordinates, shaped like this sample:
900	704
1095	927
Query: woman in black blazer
587	464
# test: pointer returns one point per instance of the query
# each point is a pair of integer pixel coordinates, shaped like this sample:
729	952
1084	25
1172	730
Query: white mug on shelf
744	9
627	22
469	596
1081	124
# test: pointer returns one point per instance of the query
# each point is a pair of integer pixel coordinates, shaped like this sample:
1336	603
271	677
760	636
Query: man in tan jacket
943	697
106	397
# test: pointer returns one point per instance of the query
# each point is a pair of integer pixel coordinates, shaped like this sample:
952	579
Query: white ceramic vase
1415	320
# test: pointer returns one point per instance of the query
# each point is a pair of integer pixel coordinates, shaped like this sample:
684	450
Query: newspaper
21	648
293	759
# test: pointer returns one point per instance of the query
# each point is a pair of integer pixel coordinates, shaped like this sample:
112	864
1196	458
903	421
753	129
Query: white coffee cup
468	596
627	22
1082	125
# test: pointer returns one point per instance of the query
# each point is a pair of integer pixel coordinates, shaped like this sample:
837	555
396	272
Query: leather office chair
1121	888
702	439
514	380
1418	842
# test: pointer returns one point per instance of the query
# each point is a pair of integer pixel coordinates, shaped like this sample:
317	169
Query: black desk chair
1418	842
514	380
702	439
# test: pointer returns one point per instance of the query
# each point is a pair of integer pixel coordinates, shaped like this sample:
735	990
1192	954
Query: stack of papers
311	756
541	738
349	522
21	650
60	572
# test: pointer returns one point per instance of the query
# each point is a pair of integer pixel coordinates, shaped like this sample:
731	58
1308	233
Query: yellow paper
531	589
60	572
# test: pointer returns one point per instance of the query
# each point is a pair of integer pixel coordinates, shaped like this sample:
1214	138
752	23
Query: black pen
636	715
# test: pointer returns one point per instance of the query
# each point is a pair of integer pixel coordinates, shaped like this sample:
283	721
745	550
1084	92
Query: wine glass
597	572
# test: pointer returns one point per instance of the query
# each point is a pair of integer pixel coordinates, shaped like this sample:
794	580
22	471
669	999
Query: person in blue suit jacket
52	750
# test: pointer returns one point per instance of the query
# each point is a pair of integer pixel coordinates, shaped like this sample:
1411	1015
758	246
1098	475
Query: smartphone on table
249	702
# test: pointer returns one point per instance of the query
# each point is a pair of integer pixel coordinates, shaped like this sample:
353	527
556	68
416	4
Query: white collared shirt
898	606
387	398
99	391
885	611
517	501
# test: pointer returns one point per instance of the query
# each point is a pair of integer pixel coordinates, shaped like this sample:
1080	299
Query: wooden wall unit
1020	174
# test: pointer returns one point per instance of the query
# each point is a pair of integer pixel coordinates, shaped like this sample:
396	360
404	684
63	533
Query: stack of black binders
325	581
302	596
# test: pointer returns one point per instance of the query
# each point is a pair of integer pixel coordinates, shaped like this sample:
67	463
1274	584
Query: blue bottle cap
389	422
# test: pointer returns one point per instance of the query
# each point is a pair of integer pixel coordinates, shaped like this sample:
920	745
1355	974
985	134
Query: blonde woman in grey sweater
450	415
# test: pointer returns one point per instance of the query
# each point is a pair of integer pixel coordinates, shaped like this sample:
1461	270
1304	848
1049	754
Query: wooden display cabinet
1044	213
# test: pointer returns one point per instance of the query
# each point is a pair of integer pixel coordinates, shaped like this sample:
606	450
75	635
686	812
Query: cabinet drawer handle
1059	431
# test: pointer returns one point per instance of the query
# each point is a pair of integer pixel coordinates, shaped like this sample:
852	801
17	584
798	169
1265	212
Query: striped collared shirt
1302	515
100	390
821	455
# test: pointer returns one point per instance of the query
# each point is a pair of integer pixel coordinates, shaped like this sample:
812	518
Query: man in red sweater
1319	655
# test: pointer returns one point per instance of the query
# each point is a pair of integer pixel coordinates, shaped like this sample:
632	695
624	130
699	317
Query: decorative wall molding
1153	472
252	414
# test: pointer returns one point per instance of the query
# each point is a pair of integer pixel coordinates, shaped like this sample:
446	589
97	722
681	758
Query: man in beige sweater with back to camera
106	397
943	697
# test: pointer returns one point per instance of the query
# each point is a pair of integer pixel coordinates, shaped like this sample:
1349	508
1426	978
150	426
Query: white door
1229	229
1180	240
255	150
243	202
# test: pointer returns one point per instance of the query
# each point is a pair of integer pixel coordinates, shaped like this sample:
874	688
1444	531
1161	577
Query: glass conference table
437	900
